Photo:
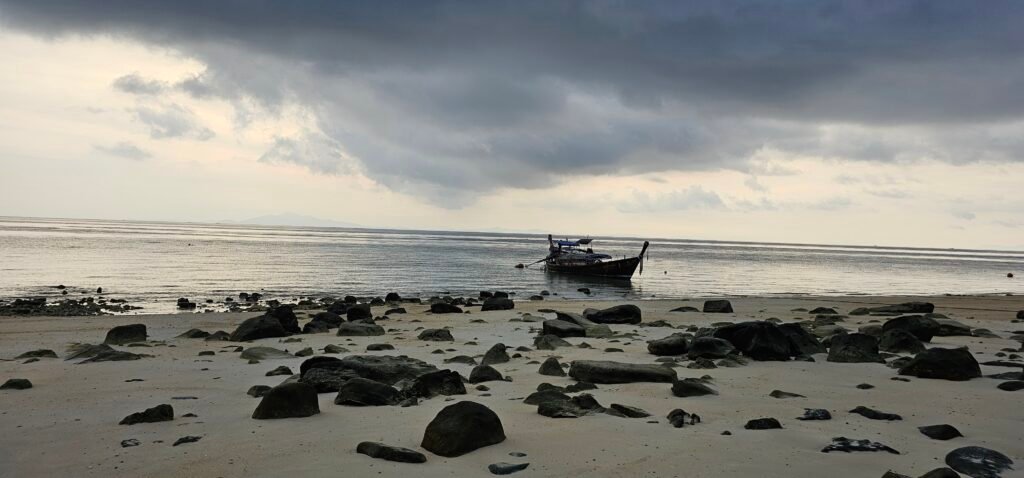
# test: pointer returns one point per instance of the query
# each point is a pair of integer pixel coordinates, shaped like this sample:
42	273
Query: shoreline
67	423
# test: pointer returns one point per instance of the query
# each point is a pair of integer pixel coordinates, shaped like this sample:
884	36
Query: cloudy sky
881	122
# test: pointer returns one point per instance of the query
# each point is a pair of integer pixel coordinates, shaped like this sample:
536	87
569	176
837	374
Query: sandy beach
67	423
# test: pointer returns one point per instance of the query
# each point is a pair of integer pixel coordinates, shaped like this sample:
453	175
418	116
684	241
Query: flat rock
549	342
40	353
601	371
503	468
940	432
390	453
461	428
619	314
159	413
1011	386
979	462
849	445
561	328
781	394
436	335
689	387
264	353
709	347
359	329
443	308
875	414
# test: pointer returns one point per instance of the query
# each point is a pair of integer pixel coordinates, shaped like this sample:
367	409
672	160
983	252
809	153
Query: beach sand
67	424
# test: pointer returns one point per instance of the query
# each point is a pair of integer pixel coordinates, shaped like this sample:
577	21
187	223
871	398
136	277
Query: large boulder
602	371
436	335
327	380
359	329
286	316
256	328
757	340
551	367
709	348
947	364
365	392
126	334
922	327
561	328
899	340
803	342
675	344
288	400
496	354
979	462
328	318
498	303
952	328
444	308
358	312
619	314
383	368
441	382
854	348
719	306
484	373
461	428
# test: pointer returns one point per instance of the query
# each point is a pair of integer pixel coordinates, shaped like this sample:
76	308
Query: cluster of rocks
87	306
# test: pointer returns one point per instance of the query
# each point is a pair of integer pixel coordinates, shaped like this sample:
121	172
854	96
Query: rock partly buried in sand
78	351
781	394
256	328
628	411
126	334
436	335
551	367
803	342
941	473
904	308
503	468
602	371
327	380
940	432
441	382
815	414
390	453
218	336
947	364
359	329
849	445
113	356
382	368
675	344
159	413
194	334
443	308
497	303
549	342
16	384
288	400
875	414
286	316
1011	386
282	370
561	328
619	314
365	392
979	462
763	424
710	348
264	353
484	373
757	340
854	348
952	328
258	391
691	387
556	405
461	428
379	347
717	307
922	327
495	355
685	308
41	353
899	340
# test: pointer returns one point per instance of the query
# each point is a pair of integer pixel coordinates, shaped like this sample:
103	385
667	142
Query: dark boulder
922	327
763	424
875	414
979	462
823	311
396	310
41	353
288	400
899	340
551	367
675	344
125	334
359	329
628	411
194	334
484	373
572	407
443	308
392	297
16	384
381	368
801	341
314	327
495	355
561	328
327	380
286	316
441	382
940	432
159	413
436	335
261	327
390	453
619	314
941	473
710	348
601	371
330	319
503	468
365	392
258	391
498	303
549	342
689	387
358	312
685	308
757	340
717	307
854	348
946	364
461	428
281	370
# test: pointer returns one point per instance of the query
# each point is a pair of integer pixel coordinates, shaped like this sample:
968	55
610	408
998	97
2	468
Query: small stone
186	439
506	468
763	424
390	453
129	443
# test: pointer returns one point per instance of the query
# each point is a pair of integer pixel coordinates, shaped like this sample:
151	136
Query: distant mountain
291	219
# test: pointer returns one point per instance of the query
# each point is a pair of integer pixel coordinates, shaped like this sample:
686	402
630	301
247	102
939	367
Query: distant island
290	219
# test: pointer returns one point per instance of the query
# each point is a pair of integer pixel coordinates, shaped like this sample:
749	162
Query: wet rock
689	387
495	355
16	384
601	371
549	342
441	382
461	428
709	347
503	468
551	367
358	329
365	392
763	424
946	364
940	432
436	335
850	445
854	348
288	400
979	462
675	344
390	453
922	327
815	414
484	373
125	334
717	307
159	413
256	328
898	340
497	303
875	414
619	314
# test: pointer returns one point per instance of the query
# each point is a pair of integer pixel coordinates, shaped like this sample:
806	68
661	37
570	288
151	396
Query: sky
871	123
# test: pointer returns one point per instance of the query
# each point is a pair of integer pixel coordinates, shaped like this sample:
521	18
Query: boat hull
620	269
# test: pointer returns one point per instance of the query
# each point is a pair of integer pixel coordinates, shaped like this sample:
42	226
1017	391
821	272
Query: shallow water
151	264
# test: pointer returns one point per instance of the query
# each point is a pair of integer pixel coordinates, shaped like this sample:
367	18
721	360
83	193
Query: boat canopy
568	243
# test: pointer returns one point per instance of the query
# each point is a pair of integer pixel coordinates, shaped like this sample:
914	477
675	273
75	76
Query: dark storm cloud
471	96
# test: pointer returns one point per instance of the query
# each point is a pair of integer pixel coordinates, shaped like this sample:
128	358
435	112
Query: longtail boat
576	257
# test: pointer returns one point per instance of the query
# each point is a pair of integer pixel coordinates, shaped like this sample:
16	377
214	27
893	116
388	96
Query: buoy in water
520	266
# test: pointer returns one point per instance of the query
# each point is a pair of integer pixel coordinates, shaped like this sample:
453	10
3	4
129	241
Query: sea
151	264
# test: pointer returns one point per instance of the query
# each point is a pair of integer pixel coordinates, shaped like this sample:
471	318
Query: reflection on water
158	262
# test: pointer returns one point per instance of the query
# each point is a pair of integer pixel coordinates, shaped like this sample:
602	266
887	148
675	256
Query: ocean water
152	264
